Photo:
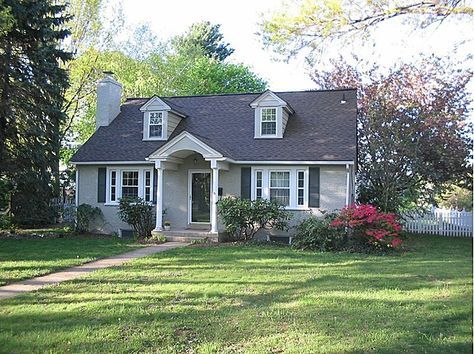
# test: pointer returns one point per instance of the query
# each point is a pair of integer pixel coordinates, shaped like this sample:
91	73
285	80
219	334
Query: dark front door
200	197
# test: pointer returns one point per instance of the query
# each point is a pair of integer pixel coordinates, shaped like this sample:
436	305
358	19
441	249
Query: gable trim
268	93
153	100
205	150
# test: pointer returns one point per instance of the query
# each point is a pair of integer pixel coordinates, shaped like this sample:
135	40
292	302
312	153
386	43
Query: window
287	185
268	118
113	186
280	187
125	182
300	188
129	184
156	125
258	184
147	186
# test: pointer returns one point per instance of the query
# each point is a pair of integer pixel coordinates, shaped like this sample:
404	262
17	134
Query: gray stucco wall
175	192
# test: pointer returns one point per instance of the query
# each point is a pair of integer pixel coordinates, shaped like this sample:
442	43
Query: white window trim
146	126
289	185
118	183
258	123
293	184
305	187
268	121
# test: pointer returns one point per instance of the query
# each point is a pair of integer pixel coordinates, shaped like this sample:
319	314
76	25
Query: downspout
348	181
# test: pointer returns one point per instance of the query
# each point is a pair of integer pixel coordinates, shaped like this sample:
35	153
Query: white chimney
109	93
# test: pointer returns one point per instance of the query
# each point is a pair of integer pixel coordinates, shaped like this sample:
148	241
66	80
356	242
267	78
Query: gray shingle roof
321	129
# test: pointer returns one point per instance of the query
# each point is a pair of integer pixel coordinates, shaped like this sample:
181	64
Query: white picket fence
444	222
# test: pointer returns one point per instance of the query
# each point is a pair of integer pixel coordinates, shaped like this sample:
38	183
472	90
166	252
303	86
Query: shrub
369	229
137	213
154	239
243	218
85	214
317	234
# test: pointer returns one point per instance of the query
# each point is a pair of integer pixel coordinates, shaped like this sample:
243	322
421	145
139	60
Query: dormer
159	119
271	115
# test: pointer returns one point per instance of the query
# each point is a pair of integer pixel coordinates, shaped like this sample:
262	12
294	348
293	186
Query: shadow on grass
251	298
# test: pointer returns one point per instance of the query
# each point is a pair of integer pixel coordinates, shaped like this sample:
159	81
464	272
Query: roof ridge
244	93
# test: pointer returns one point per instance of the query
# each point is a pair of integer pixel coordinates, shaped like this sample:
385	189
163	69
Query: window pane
259	193
269	114
129	192
147	194
301	179
281	196
268	128
300	197
156	121
155	130
112	194
259	179
130	178
147	178
280	179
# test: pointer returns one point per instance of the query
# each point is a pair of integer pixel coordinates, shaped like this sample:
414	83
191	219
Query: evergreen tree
32	85
203	38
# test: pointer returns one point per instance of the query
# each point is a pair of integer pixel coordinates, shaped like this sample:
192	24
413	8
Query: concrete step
189	239
186	235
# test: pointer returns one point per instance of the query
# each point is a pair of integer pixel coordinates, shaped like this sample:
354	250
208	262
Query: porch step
187	235
189	239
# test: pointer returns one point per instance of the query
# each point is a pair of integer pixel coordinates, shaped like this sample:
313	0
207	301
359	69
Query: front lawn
27	258
243	299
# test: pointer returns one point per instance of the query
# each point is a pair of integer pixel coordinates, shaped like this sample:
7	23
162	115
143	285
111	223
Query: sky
239	24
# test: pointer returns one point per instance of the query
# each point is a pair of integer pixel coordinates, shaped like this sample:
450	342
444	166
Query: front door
200	197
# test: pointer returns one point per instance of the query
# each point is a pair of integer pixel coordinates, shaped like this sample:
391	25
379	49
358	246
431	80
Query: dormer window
159	119
269	121
271	116
156	125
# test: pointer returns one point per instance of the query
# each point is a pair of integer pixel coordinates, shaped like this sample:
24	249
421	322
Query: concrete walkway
15	289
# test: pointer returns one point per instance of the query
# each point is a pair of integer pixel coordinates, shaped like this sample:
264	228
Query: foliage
168	69
86	214
368	228
243	218
203	38
456	198
137	213
413	129
316	233
154	239
32	84
314	24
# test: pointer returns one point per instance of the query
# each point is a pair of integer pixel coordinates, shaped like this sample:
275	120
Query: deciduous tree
313	24
413	129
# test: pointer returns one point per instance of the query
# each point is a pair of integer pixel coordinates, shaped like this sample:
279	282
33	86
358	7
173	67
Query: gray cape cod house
183	154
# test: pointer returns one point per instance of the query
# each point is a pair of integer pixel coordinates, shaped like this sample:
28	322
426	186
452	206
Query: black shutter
314	187
155	184
101	185
245	176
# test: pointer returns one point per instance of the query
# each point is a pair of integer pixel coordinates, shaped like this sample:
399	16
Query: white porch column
159	196
214	195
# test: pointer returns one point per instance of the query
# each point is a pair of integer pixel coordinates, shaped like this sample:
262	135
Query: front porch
189	179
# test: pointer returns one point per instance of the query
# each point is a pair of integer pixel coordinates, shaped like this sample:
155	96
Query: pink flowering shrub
368	227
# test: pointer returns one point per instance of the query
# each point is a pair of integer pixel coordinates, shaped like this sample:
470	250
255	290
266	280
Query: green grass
242	299
27	258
